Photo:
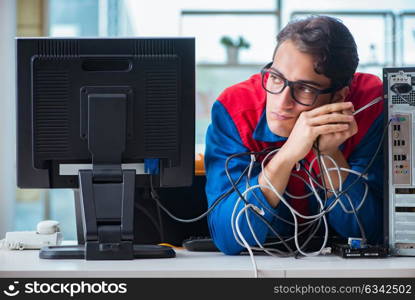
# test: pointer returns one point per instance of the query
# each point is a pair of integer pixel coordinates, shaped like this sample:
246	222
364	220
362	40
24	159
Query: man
304	100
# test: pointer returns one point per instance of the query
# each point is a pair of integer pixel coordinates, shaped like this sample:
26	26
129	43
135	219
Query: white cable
299	197
294	212
267	244
251	254
350	171
260	211
322	210
251	164
317	196
336	168
374	101
233	223
235	208
250	225
340	188
241	240
360	204
333	205
11	245
245	243
233	216
271	187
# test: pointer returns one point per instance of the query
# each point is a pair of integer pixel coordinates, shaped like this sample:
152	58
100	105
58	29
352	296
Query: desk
26	263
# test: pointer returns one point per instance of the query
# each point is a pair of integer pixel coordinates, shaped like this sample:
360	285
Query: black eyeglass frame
289	83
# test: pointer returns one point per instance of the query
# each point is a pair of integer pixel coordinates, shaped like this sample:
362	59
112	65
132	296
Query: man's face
281	109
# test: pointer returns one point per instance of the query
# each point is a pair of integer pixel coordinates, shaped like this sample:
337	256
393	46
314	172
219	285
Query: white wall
7	114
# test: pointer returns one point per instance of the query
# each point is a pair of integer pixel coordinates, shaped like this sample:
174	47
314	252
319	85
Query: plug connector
356	243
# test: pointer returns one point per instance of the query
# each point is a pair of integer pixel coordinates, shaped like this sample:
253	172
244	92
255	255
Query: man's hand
334	123
329	143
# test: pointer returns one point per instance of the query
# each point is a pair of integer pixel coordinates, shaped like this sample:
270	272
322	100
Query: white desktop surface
26	263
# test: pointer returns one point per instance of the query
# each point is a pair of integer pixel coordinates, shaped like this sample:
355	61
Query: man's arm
341	162
329	121
278	171
223	140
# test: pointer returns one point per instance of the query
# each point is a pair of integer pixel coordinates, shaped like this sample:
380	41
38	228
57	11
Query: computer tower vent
408	97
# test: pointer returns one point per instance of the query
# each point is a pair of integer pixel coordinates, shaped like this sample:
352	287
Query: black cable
290	251
313	233
235	188
156	198
313	175
394	88
359	176
275	215
326	210
359	223
362	230
151	218
229	158
261	217
313	226
365	169
310	225
323	180
160	222
314	222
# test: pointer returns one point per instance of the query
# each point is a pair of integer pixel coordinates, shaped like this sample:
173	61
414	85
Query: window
370	31
216	70
259	30
73	18
407	30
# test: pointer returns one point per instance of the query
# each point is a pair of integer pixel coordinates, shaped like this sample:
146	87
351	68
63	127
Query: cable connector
326	251
154	194
356	243
258	210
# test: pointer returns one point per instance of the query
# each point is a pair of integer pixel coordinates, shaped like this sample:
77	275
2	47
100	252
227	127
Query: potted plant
232	48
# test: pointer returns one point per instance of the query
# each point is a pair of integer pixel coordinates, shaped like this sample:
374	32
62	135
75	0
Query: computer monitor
105	115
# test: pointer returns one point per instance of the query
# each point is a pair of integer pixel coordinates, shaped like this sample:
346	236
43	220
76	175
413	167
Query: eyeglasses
304	94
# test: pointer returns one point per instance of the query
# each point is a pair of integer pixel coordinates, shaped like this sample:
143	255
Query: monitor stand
106	190
79	251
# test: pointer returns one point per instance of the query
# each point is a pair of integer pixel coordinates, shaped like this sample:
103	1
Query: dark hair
331	44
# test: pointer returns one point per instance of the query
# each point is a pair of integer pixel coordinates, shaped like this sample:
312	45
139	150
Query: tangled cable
315	188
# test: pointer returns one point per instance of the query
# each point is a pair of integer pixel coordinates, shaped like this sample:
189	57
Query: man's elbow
224	246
